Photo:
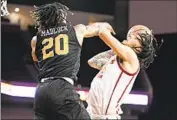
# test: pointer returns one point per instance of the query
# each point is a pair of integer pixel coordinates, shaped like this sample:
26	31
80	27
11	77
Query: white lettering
52	31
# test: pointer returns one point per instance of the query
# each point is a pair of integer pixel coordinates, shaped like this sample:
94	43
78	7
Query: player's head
50	15
142	41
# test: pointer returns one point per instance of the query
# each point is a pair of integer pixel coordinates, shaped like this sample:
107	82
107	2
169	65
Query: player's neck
126	43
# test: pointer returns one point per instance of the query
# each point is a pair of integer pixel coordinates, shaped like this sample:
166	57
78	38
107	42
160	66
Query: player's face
133	34
132	40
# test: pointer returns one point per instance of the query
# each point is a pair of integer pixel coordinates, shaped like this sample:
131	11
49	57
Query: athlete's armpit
99	60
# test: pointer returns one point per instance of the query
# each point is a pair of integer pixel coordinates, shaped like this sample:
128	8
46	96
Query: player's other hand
106	27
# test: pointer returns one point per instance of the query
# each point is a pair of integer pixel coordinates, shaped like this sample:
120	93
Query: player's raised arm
86	31
99	60
33	48
121	50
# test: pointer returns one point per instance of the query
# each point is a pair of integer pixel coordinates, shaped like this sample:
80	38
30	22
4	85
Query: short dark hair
49	15
149	48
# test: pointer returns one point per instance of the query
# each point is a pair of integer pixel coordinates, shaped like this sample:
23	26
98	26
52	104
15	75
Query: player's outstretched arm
86	31
99	60
33	47
124	52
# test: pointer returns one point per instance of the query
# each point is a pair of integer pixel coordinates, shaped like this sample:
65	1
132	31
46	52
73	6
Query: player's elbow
90	62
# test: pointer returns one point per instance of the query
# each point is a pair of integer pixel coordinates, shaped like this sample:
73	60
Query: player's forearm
113	43
93	29
106	36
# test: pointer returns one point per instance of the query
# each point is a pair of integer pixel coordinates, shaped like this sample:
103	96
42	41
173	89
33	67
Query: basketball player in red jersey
119	68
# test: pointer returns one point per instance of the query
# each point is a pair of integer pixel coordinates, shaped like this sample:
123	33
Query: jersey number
61	48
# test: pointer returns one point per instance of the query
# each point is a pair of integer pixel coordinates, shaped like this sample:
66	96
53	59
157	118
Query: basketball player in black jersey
56	50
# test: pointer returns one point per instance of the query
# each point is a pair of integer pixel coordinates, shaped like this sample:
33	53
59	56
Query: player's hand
110	28
106	27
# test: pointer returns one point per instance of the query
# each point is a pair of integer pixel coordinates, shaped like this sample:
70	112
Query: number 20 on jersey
60	48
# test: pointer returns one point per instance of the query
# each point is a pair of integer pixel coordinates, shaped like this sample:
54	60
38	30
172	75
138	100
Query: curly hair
49	15
149	48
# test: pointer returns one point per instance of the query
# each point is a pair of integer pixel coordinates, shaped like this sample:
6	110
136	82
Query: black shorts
58	100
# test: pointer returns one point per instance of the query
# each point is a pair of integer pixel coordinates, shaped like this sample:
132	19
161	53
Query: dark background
95	6
15	56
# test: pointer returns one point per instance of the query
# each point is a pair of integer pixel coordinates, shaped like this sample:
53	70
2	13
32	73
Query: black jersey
58	52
